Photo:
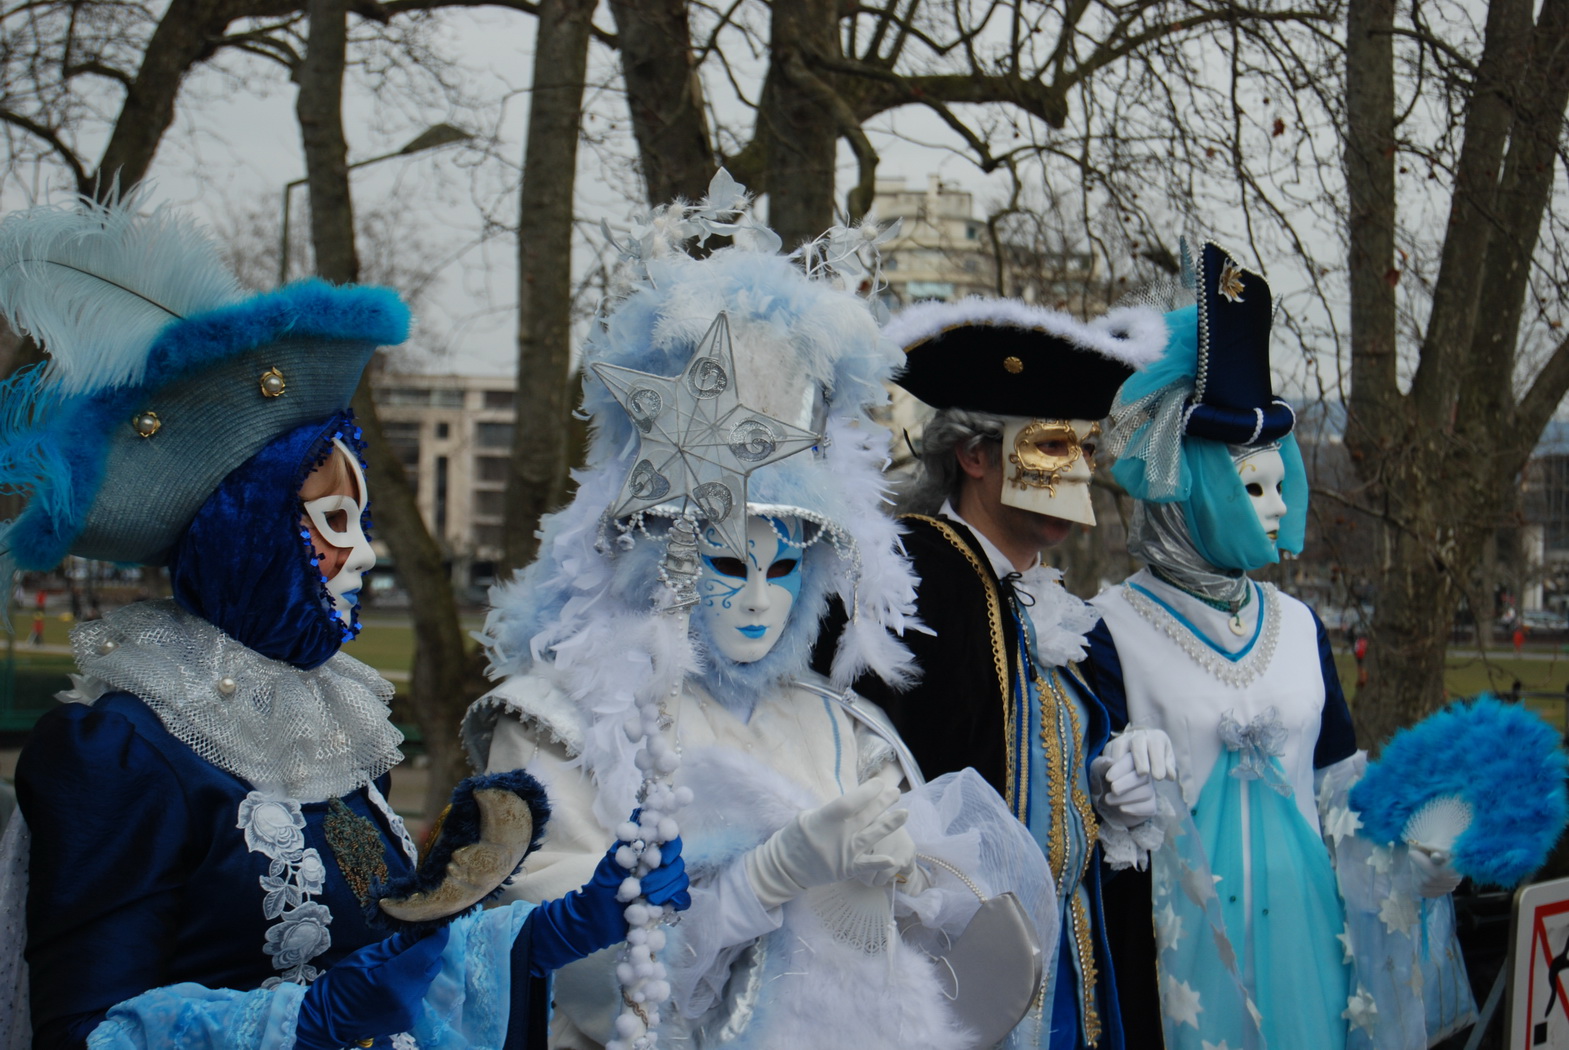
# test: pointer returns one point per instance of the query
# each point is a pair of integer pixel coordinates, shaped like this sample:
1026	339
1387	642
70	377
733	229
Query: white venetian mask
748	600
1263	475
337	518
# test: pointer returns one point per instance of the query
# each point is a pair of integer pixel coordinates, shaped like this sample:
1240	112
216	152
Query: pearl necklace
1236	674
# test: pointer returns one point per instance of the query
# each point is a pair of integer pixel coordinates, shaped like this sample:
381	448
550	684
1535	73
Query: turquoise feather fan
1499	760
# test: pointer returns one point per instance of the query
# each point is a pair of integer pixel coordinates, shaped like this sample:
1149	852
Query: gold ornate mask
1046	448
1051	462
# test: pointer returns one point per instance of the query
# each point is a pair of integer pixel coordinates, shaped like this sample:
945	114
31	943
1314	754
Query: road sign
1539	962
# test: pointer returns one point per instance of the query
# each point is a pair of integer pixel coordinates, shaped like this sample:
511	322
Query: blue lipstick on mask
753	630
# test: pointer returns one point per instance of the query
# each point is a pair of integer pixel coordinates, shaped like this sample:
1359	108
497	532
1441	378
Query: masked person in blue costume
203	830
1005	469
1246	941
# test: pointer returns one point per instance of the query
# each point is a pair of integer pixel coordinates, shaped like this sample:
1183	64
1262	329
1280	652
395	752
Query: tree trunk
796	123
446	677
665	97
1370	227
1441	462
185	36
443	682
319	109
538	474
1418	595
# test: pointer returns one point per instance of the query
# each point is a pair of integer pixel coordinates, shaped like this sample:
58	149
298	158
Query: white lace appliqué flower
275	828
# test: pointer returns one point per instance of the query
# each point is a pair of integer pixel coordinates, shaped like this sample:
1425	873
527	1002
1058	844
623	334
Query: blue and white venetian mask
748	600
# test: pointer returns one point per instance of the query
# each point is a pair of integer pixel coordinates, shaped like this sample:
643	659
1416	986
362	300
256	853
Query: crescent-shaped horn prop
489	828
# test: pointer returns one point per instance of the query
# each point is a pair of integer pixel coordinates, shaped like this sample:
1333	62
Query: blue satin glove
667	884
586	920
374	992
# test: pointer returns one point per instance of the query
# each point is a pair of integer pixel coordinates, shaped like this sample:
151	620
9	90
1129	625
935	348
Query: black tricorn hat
1233	399
1008	358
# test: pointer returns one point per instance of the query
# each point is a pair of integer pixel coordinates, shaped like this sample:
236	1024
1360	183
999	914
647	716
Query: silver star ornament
697	440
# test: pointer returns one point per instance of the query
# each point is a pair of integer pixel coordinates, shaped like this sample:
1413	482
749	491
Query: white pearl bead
108	647
227	686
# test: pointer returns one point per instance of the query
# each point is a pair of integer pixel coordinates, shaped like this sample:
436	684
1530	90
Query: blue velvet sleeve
1102	670
108	823
1337	739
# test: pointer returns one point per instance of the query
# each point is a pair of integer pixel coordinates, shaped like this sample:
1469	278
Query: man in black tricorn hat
1005	467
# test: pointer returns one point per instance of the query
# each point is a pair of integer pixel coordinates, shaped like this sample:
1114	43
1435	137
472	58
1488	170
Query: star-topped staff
697	440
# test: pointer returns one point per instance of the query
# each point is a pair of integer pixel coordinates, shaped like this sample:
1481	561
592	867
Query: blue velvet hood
245	563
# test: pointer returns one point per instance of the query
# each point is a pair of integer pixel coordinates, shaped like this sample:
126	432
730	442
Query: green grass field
388	645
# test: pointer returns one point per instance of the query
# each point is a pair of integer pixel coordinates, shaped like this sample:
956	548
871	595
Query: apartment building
944	250
453	435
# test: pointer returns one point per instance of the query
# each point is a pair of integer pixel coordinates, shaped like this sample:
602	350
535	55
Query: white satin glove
854	836
1150	748
1122	778
1433	873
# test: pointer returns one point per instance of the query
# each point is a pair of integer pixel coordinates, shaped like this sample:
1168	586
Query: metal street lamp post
431	138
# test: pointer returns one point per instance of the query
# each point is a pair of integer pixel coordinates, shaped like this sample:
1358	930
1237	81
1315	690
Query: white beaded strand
644	981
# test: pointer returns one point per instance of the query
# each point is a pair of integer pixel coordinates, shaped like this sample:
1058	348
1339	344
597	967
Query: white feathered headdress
807	352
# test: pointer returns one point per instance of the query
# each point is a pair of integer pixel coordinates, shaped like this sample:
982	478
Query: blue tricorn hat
1233	400
163	375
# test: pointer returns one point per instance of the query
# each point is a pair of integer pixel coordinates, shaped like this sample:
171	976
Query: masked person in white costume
729	397
1246	942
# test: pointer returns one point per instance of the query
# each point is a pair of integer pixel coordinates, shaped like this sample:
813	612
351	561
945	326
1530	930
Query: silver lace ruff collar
309	735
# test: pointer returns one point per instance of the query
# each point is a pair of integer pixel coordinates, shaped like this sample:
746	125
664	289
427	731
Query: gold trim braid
999	642
1083	944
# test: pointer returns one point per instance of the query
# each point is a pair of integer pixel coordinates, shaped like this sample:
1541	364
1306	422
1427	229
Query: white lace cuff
1130	847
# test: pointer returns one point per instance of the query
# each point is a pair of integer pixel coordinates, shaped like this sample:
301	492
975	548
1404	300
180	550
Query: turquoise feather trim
128	305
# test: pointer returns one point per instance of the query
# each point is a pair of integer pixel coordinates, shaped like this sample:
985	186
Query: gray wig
939	476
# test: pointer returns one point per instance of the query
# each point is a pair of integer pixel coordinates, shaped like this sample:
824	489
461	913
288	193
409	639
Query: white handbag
995	965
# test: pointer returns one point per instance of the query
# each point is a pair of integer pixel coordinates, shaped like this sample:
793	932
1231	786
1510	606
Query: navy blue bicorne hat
1233	400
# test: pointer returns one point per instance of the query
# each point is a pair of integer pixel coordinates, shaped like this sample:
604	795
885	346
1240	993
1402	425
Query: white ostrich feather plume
96	283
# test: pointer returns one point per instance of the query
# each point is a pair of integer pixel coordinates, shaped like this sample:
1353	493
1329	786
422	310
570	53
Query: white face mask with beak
1049	463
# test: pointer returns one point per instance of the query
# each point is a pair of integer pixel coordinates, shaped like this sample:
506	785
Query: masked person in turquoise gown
1237	929
204	844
